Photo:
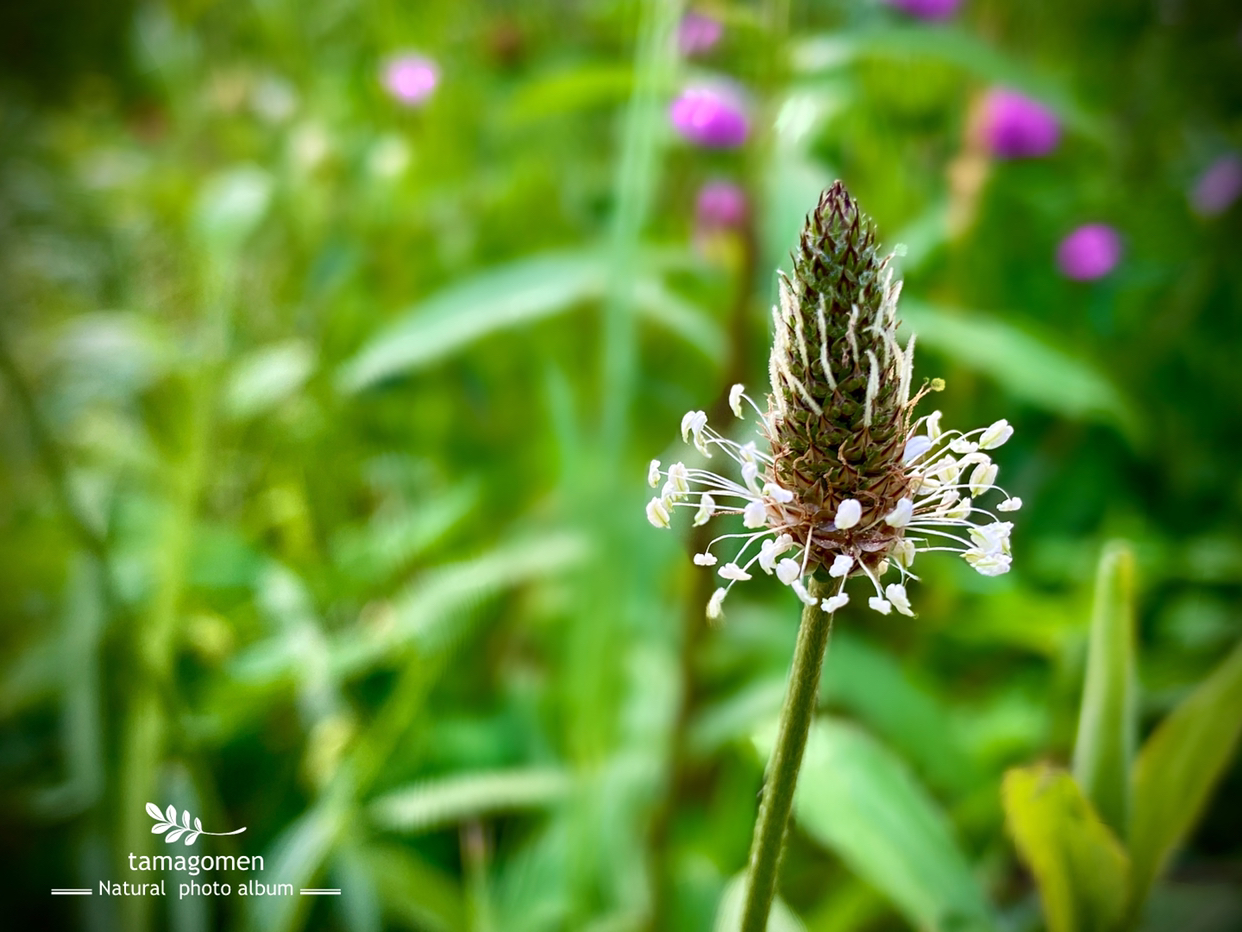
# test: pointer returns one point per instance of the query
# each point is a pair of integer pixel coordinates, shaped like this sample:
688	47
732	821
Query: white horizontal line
320	892
68	892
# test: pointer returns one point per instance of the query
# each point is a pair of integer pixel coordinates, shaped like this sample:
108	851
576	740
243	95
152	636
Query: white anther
900	516
903	553
715	602
777	494
657	512
962	445
653	474
916	446
1010	504
734	572
882	606
754	515
735	398
707	508
803	594
897	596
788	571
995	435
982	478
848	514
841	565
704	559
835	602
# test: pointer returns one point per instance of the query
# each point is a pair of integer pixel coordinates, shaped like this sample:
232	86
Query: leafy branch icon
167	822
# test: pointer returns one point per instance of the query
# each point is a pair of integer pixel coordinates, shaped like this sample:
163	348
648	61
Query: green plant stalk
778	792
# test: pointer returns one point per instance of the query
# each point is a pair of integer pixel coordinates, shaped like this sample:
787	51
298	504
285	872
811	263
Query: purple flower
410	78
1089	252
711	115
926	9
698	33
720	205
1218	187
1016	127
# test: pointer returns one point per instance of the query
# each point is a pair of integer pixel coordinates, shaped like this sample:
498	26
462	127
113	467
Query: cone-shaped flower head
848	486
840	383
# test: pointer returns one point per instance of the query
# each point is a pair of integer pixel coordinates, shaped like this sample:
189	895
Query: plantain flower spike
845	482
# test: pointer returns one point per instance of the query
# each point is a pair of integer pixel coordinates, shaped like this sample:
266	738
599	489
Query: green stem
778	792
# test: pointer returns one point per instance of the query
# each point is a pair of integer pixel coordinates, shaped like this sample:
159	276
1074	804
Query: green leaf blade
1177	768
858	799
1104	749
1081	868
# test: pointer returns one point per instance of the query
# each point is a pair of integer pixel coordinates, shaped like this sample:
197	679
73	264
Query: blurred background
336	339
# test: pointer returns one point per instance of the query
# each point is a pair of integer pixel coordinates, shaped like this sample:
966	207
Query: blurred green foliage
325	420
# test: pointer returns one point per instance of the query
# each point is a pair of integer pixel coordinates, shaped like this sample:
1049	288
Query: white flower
938	465
840	600
657	513
848	514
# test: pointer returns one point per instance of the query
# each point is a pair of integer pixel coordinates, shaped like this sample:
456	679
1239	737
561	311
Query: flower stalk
795	724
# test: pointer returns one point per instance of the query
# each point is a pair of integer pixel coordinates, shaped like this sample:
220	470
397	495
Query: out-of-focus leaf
1177	768
1021	363
434	803
493	300
296	857
359	901
377	550
949	46
430	610
873	686
570	90
1107	722
738	716
413	892
662	306
267	377
501	298
855	797
729	915
1081	868
231	205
